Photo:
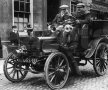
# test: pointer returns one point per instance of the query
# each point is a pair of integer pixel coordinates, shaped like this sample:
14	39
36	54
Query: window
73	7
22	13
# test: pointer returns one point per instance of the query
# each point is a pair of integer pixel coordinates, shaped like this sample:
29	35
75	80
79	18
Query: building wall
5	23
67	2
87	1
5	18
37	14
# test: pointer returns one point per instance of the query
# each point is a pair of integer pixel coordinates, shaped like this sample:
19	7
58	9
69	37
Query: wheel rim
13	70
101	60
58	71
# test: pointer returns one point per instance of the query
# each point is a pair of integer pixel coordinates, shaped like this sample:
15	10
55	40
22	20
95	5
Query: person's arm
55	19
86	20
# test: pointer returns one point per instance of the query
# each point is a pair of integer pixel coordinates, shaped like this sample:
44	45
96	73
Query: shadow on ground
40	82
74	79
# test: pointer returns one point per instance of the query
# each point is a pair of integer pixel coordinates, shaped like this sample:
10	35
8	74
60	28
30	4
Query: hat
80	5
63	6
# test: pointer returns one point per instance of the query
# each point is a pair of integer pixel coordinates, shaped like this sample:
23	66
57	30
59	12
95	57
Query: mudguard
93	45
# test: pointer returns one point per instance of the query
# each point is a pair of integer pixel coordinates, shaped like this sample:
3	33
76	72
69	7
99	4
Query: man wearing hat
59	19
61	16
83	19
83	16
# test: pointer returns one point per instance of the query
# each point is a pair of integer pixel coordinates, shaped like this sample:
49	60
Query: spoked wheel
13	70
56	70
100	62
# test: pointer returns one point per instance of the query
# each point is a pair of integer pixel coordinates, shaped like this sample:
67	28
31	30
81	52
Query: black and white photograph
53	44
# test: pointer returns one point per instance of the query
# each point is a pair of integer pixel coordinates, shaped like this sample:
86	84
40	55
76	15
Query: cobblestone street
88	81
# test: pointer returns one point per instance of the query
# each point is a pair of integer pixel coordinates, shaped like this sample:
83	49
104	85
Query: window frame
30	13
74	5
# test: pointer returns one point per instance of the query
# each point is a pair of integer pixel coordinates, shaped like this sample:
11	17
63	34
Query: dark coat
60	19
14	38
83	17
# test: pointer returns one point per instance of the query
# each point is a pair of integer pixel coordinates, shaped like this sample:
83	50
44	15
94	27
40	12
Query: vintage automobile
47	54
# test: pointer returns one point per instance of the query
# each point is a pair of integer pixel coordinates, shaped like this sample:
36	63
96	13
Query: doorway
52	9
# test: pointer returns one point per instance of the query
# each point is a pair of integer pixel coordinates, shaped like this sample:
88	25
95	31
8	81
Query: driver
61	17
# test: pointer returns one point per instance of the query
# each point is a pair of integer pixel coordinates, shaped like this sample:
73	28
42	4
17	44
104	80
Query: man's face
15	30
63	10
80	9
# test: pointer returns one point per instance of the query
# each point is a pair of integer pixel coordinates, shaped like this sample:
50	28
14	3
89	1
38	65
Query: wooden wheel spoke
52	78
105	65
10	62
17	74
51	69
101	65
21	72
58	63
14	74
11	71
102	69
61	62
63	67
51	73
10	67
98	63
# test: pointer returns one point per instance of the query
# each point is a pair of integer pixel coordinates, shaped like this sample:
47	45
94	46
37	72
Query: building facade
36	12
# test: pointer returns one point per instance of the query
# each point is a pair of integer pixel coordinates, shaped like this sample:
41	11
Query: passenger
82	17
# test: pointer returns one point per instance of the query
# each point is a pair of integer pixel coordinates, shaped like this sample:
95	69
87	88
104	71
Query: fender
93	45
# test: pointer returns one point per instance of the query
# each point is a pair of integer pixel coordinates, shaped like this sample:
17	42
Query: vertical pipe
12	12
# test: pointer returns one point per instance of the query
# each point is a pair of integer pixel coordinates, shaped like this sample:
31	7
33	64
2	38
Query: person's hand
77	21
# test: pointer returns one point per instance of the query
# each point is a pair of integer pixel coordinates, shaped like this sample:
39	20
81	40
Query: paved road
88	81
